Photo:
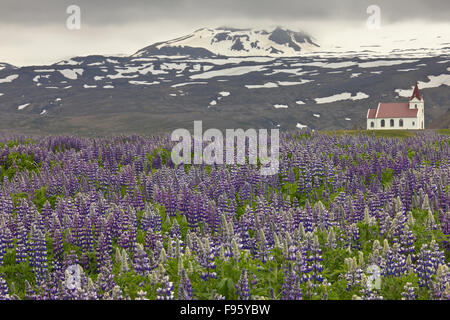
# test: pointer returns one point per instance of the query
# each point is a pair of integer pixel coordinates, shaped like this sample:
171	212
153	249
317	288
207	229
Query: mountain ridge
226	41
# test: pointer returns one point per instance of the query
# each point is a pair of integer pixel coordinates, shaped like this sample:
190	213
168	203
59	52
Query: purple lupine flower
3	246
8	238
165	292
58	248
141	261
105	281
185	291
4	290
441	285
38	259
115	294
395	263
353	233
102	252
243	288
30	293
301	265
424	266
354	273
291	287
314	260
254	280
368	293
409	292
22	243
407	241
206	258
437	256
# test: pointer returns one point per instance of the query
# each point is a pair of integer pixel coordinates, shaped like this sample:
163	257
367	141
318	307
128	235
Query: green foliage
444	131
16	273
387	176
17	162
40	198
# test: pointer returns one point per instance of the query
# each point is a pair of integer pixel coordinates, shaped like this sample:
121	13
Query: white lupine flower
386	247
163	256
426	203
411	220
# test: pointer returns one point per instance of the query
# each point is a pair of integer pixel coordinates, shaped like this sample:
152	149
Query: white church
406	115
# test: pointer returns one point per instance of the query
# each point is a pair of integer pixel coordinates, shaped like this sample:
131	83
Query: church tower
417	102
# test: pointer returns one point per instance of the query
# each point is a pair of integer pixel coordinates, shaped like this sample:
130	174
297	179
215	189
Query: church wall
408	124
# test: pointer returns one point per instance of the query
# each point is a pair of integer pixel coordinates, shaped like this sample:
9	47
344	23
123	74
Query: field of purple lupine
351	216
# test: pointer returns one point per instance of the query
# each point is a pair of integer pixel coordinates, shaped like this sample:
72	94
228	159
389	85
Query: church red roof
416	93
395	110
371	113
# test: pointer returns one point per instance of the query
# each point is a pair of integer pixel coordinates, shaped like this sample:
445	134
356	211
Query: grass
443	131
378	133
384	133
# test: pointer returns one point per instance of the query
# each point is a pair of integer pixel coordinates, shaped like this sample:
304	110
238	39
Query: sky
34	32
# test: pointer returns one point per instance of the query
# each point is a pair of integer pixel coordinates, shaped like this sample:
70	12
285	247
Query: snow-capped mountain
171	84
235	42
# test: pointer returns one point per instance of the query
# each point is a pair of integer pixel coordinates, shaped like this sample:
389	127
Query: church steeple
416	93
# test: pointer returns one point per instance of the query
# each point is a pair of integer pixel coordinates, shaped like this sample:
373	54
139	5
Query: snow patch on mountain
71	74
23	106
280	106
10	78
407	70
331	65
44	70
297	72
433	82
146	83
220	61
293	83
261	86
384	63
341	96
187	83
235	71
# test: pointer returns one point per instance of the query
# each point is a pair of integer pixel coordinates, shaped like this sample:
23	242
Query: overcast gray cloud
34	31
104	12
